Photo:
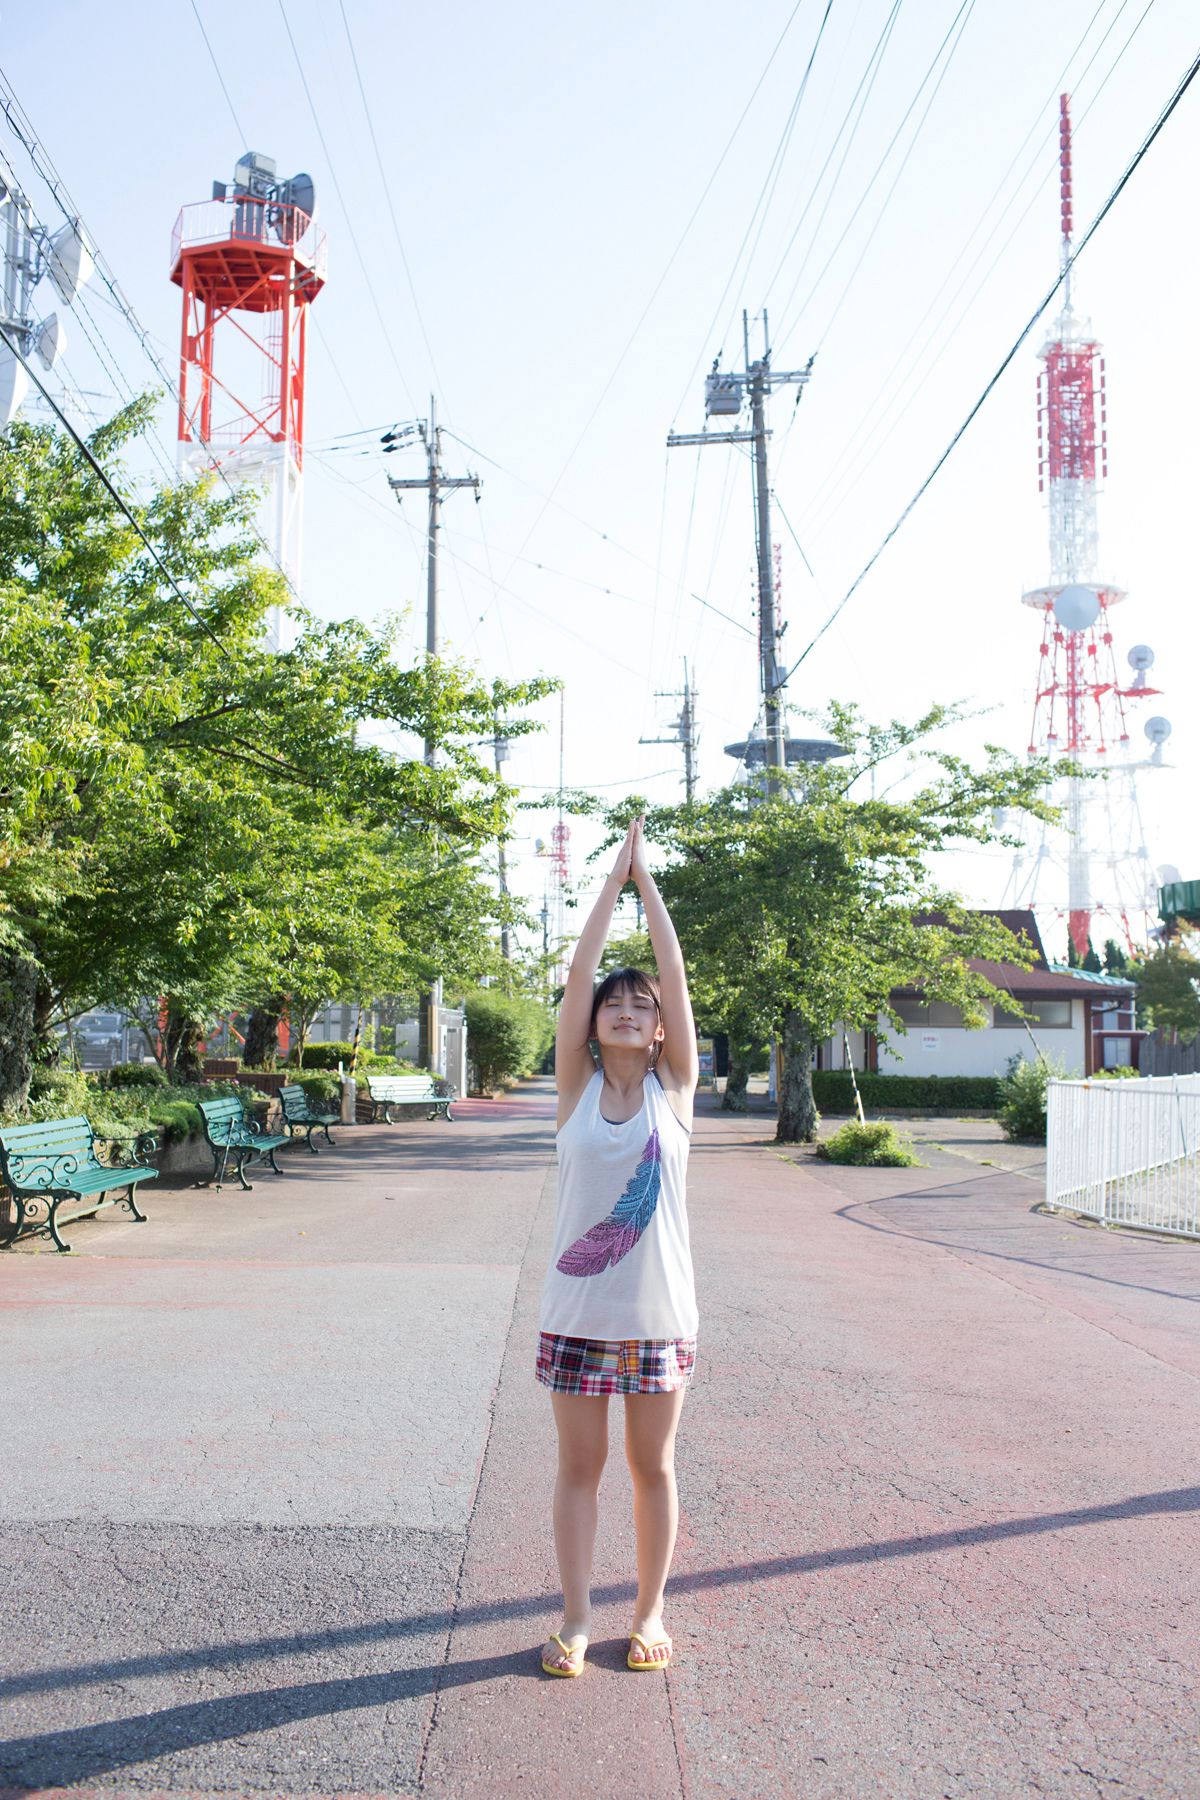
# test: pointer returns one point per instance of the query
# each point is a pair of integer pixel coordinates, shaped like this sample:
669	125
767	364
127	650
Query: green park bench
233	1136
386	1091
299	1114
55	1162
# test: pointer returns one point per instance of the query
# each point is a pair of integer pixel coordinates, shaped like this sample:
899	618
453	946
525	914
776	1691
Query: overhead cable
1068	266
349	223
964	14
669	265
852	453
237	126
109	485
387	193
21	126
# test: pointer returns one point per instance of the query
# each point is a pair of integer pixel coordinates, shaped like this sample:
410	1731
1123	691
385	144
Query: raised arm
573	1064
678	1065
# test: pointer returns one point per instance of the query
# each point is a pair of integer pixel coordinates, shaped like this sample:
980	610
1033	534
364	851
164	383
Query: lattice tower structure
249	268
1096	860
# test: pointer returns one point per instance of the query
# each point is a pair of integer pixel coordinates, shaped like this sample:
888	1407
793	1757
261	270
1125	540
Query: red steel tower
1081	708
250	261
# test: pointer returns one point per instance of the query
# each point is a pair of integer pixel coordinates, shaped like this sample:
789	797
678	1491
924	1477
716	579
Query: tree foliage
805	910
1168	990
186	813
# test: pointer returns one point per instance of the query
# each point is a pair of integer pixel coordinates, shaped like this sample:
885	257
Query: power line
765	196
867	79
106	481
366	274
387	191
964	13
670	263
1103	213
851	456
237	124
21	126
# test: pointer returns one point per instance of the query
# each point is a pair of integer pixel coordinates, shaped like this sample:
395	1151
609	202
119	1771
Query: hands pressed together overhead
631	863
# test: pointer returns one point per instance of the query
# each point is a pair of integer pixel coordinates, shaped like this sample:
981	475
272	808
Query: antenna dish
1077	608
69	262
14	385
51	341
1141	657
300	195
1157	729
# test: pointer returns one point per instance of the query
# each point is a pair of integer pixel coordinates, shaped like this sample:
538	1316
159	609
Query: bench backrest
48	1153
293	1098
402	1087
223	1112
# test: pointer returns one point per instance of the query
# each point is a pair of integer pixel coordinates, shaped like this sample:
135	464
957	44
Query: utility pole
500	751
436	484
685	730
724	396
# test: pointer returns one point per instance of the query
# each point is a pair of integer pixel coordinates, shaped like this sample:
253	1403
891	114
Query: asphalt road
276	1479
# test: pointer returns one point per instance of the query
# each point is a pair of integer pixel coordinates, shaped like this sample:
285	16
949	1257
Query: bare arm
678	1064
573	1064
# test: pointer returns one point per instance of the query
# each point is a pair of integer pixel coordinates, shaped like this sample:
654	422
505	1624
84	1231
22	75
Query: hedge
328	1056
834	1093
171	1113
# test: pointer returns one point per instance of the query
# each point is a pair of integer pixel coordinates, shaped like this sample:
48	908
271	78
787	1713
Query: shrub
833	1092
132	1075
1023	1097
340	1050
1123	1072
507	1034
876	1145
321	1088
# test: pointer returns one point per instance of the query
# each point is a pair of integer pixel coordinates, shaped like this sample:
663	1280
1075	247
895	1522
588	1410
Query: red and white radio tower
1080	713
250	261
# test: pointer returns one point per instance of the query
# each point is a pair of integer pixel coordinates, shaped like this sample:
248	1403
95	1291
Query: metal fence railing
1126	1152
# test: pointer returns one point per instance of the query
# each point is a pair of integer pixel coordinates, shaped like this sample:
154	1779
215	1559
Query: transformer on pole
250	262
1097	858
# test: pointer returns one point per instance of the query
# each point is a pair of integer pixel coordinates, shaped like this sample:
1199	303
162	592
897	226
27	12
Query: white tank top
621	1266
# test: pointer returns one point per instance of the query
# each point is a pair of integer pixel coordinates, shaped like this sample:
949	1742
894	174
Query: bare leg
651	1421
582	1421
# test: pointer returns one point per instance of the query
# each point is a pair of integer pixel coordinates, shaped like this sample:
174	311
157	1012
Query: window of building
1044	1015
930	1013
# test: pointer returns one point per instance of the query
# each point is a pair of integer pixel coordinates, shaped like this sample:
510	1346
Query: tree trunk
261	1048
182	1058
734	1097
19	979
798	1116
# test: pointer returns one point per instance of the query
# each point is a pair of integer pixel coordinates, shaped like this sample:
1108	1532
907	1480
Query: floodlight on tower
1082	699
250	261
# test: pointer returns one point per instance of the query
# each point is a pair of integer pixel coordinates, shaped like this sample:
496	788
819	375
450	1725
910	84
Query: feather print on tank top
614	1237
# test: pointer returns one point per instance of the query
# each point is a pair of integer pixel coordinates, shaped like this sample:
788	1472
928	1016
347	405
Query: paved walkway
276	1480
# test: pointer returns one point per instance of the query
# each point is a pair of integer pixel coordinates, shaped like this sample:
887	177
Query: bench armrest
136	1147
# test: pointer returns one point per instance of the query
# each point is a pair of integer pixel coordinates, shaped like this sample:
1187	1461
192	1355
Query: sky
551	219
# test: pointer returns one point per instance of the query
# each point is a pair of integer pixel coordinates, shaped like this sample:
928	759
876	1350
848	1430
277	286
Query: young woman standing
619	1301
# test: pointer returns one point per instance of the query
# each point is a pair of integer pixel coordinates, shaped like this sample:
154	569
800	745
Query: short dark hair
636	980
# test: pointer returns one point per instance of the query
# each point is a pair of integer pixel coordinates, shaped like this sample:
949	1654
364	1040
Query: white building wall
951	1050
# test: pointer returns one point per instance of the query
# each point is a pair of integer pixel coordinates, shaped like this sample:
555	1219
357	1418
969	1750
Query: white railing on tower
1126	1152
244	219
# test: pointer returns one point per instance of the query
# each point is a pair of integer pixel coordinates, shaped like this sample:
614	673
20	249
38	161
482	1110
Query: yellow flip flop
640	1667
579	1650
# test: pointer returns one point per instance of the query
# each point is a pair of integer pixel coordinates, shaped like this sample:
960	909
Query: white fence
1126	1152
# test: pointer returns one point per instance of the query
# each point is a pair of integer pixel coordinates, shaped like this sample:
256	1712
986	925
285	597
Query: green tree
1168	990
1115	960
805	910
184	813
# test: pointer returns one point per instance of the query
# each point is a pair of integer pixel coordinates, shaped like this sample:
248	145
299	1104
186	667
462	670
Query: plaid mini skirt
571	1365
